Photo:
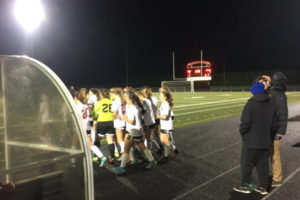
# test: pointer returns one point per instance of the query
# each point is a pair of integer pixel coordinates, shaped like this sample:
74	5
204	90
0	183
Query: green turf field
193	108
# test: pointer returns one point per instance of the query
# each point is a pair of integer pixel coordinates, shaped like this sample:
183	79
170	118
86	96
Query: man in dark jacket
256	128
277	93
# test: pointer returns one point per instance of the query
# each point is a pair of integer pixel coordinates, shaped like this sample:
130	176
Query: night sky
90	43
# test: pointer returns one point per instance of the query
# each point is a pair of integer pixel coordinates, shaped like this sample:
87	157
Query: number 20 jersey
83	110
103	109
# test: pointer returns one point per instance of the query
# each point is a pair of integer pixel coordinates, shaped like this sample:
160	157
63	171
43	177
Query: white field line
212	102
209	109
284	182
197	107
206	183
291	93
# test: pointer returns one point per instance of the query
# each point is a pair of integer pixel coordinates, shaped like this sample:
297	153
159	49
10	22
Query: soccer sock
131	154
124	160
157	139
93	135
172	146
166	149
172	143
116	148
122	144
111	149
97	151
148	155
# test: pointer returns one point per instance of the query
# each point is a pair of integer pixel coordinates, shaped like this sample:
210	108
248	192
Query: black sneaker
162	160
261	190
246	189
159	152
176	152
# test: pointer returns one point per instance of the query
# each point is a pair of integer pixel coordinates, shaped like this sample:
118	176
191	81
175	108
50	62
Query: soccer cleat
162	160
151	164
103	160
117	155
261	190
276	183
160	151
111	160
176	152
95	159
246	189
132	162
119	170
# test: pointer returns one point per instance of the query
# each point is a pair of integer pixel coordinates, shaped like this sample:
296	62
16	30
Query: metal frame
89	187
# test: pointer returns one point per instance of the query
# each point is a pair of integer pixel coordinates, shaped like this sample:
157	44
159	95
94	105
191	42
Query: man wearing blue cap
256	128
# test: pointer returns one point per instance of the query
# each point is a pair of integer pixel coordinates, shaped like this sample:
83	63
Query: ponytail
169	98
136	101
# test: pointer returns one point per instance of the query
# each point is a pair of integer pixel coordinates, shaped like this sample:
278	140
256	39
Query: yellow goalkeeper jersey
103	110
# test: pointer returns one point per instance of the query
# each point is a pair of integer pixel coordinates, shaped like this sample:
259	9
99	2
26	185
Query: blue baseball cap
257	88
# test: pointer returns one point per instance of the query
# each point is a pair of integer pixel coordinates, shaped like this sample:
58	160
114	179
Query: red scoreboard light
199	71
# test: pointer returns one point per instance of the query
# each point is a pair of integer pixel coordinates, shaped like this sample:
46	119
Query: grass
194	108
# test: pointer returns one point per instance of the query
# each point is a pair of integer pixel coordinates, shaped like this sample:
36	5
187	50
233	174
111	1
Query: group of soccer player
130	121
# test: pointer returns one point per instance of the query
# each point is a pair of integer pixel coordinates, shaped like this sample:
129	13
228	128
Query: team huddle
129	120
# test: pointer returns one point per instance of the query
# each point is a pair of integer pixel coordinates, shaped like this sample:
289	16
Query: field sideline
193	108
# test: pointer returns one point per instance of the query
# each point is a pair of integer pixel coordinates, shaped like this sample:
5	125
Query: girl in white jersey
133	120
154	102
118	109
166	124
91	101
84	113
175	150
148	119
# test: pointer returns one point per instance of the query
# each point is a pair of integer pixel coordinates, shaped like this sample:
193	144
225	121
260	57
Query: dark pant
258	158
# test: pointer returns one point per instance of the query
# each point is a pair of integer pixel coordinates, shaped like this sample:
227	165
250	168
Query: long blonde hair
118	92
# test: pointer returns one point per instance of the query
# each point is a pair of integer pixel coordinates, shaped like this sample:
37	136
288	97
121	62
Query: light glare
29	13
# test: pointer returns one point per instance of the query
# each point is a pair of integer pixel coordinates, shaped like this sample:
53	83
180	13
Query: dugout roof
42	142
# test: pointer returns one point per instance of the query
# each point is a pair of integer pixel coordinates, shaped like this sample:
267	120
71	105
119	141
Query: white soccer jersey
148	116
92	100
118	107
165	109
133	114
84	113
154	105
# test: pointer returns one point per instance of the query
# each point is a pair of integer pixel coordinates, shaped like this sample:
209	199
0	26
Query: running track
207	168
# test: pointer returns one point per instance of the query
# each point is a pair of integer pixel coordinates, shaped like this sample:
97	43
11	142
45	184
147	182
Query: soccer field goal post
178	86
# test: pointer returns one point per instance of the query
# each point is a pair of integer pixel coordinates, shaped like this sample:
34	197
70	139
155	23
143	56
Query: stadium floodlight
29	13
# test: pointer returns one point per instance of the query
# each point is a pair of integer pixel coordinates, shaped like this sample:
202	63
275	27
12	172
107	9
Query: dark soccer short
136	138
149	128
91	123
157	122
166	131
105	129
88	132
